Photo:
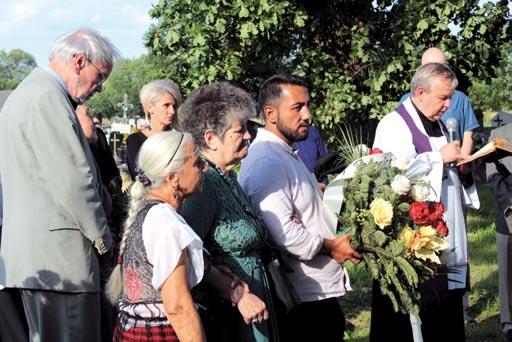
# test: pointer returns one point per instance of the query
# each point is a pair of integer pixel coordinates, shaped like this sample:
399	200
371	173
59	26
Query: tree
15	65
495	94
358	55
127	77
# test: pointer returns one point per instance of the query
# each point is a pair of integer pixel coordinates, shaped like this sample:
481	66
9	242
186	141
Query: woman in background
160	100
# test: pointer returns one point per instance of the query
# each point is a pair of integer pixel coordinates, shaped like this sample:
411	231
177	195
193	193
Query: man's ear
79	61
210	138
270	114
420	92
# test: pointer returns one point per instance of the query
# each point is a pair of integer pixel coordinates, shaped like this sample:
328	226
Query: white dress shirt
289	199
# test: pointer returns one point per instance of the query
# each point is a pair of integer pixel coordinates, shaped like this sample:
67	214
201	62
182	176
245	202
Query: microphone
451	126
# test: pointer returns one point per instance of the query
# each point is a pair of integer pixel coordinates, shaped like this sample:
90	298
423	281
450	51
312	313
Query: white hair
152	92
161	155
87	41
426	73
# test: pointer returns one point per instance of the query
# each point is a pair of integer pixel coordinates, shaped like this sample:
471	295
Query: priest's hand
451	152
341	250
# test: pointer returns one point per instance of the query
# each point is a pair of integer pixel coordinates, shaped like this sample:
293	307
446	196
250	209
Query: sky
33	25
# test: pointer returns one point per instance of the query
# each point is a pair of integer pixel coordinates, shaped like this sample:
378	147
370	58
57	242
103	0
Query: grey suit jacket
54	225
501	187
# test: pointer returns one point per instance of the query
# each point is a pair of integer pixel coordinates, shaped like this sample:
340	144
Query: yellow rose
406	235
423	242
382	212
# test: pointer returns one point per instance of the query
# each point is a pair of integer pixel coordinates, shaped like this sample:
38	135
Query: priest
414	131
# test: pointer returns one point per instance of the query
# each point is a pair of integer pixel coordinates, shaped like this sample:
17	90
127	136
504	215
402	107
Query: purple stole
420	141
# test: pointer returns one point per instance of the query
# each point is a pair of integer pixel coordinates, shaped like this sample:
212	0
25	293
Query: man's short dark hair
271	91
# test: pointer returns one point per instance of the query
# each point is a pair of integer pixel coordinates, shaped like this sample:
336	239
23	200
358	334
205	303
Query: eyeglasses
102	74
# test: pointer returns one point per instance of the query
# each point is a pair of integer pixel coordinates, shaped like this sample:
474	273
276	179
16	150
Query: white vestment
393	135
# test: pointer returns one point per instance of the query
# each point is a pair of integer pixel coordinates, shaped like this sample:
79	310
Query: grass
483	298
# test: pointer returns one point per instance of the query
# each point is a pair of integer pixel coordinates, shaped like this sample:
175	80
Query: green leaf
244	31
422	25
220	26
244	12
199	40
299	20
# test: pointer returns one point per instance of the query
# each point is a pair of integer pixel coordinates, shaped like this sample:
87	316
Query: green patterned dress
231	231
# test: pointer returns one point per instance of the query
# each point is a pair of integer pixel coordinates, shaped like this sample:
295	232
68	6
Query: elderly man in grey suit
54	226
500	180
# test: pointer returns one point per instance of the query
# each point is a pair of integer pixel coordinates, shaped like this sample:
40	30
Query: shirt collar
432	128
266	135
57	78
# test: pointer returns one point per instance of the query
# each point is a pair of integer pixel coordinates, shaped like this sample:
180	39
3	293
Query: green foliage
15	65
128	76
384	254
358	55
483	295
495	94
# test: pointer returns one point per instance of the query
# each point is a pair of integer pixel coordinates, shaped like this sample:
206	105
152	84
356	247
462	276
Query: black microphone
451	126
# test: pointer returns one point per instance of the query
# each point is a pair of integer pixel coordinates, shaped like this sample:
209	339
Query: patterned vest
137	270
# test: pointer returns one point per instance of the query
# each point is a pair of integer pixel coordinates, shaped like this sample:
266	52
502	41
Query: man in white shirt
289	200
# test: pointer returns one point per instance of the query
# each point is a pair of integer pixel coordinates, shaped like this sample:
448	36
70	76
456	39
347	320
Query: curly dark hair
214	107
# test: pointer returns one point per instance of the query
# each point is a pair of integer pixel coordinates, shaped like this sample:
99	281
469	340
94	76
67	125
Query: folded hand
250	306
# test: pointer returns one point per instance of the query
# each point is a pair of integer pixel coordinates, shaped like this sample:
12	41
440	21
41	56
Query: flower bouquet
399	233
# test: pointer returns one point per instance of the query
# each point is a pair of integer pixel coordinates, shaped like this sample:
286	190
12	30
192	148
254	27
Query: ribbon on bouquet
333	195
416	327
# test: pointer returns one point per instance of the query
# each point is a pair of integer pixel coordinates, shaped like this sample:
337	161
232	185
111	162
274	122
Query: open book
496	148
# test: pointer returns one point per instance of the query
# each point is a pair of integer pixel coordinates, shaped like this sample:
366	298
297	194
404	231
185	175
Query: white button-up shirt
289	199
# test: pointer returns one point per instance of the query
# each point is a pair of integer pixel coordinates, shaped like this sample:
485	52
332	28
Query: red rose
436	211
419	213
441	228
375	150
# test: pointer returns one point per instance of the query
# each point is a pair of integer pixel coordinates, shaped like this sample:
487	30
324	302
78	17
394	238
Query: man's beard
289	134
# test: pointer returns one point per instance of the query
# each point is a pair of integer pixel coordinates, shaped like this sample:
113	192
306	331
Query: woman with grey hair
160	257
159	99
216	116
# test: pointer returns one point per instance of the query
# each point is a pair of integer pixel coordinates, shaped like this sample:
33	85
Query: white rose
401	184
420	192
400	164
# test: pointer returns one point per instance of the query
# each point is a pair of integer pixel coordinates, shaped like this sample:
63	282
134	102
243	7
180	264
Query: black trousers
439	316
321	320
13	325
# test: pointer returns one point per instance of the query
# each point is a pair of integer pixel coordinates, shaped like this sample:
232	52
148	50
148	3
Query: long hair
161	155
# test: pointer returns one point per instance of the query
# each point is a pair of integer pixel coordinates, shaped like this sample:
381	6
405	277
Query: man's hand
341	250
451	152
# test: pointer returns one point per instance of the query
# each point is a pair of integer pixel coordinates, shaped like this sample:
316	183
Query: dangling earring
173	191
